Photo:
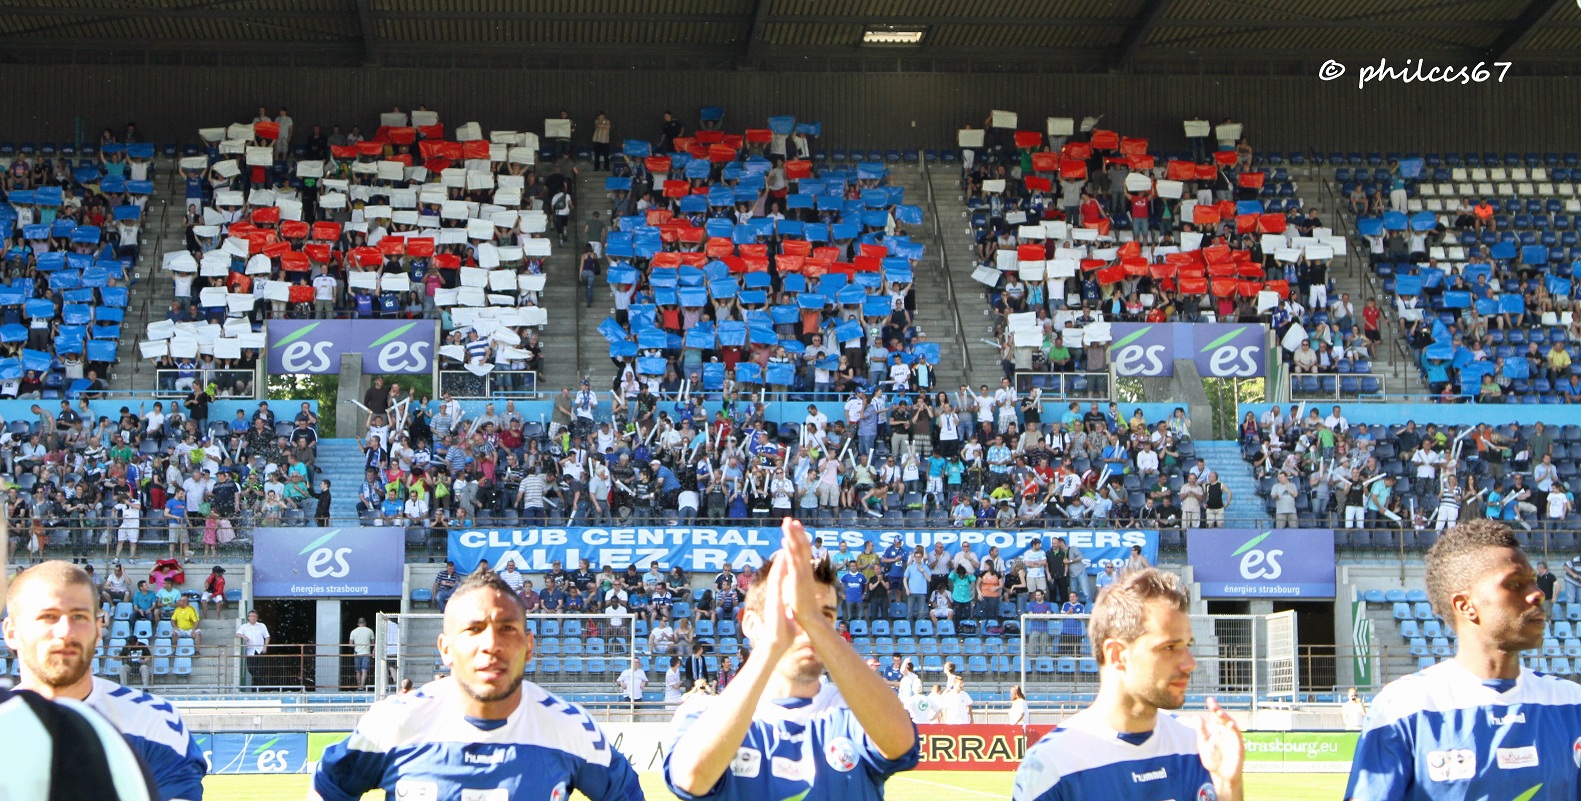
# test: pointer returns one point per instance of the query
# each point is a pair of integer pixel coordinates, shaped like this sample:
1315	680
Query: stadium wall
899	110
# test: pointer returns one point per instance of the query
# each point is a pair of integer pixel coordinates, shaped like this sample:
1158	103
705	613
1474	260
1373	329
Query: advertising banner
1299	751
391	347
233	753
975	746
700	548
1253	563
352	562
1220	350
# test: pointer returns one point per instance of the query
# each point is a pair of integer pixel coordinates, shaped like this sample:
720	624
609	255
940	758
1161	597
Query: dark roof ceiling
1198	36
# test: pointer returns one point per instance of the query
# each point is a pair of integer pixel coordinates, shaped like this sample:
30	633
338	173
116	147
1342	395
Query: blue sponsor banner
708	548
1262	563
235	753
350	562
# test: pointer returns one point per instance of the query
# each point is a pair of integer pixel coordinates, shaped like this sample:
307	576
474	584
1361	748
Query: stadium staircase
961	253
1351	274
1246	509
164	229
935	315
572	345
340	461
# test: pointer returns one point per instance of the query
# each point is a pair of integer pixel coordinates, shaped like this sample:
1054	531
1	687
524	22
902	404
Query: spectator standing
255	637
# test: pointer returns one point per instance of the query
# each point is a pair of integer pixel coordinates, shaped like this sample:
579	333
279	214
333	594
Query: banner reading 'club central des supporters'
708	548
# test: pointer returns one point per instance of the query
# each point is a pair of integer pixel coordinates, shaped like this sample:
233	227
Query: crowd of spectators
406	223
1478	259
1084	230
1410	479
984	458
79	484
70	233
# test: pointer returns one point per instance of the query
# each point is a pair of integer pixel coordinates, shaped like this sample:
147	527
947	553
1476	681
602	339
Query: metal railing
944	267
465	385
1342	388
235	384
1067	386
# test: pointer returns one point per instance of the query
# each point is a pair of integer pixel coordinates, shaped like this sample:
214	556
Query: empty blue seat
1424	611
1402	611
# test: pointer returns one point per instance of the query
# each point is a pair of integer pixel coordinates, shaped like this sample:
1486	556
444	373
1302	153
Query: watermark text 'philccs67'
1418	71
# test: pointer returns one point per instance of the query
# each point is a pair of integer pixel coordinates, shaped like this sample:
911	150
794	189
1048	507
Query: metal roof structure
1235	37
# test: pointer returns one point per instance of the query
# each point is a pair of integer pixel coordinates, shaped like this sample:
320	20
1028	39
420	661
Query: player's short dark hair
822	572
1120	611
1455	560
479	580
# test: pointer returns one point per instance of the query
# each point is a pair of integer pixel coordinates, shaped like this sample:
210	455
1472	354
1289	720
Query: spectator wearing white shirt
632	680
1337	422
1147	460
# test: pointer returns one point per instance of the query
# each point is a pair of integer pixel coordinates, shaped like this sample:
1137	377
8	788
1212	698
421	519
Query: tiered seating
729	280
64	292
406	224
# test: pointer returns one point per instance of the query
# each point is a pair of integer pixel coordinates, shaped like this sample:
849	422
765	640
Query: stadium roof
1146	36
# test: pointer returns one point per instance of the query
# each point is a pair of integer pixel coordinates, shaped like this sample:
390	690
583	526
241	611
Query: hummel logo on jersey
493	757
1513	717
1150	776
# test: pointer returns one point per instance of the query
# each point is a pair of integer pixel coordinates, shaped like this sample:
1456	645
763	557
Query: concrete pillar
349	419
327	636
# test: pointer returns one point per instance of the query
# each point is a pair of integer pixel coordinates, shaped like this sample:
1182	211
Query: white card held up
502	281
391	171
154	349
363	279
1266	301
456	352
510	254
969	137
994	186
1005	260
1022	320
986	276
1227	130
1002	119
161	329
1089	123
1170	189
1028	337
534	316
557	129
1074	337
393	119
404	217
310	169
194	163
233	147
479	229
531	282
1294	336
445	297
496	153
488	256
536	247
1138	182
1061	126
260	157
180	262
1015	217
1033	270
278	290
289	209
1056	229
471	296
227	348
332	200
226	169
365	168
395	282
1030	232
212	134
1195	128
236	246
534	222
235	327
1290	255
1338	245
1107	254
474	277
1317	252
1097	334
184	347
1190	240
216	260
454	210
212	297
239	130
1084	234
1063	268
505	335
505	138
423	119
479	179
258	264
239	304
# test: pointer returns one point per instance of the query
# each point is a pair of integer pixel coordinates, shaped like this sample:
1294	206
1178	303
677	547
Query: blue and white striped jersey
808	749
1084	759
154	729
1444	734
420	746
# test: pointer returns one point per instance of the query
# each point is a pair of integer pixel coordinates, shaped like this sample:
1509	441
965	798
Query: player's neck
1487	662
78	691
1124	712
781	686
490	710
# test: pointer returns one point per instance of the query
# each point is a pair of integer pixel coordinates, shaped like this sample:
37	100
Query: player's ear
532	644
444	650
1114	653
1463	606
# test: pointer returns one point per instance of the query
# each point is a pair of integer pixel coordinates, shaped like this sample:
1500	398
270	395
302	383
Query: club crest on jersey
1452	765
558	793
1207	793
841	754
1575	751
414	790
